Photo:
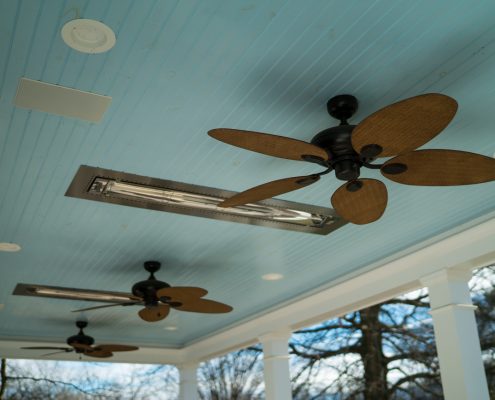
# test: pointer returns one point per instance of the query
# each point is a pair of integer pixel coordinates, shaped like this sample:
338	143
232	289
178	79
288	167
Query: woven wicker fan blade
269	190
130	303
205	306
361	201
440	168
55	352
114	347
181	294
47	348
403	126
81	346
98	354
272	145
154	313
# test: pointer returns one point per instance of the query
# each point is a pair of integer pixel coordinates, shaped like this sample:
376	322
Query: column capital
447	275
187	365
278	335
451	307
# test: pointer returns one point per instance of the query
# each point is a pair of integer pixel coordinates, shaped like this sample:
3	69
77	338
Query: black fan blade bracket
316	160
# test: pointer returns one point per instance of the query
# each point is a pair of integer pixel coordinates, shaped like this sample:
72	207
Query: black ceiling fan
83	344
394	131
158	297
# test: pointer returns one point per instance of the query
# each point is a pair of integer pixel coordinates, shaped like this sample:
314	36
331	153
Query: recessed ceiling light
171	328
88	36
11	247
272	277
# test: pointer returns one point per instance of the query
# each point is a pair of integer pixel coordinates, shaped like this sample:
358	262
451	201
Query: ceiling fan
394	131
158	297
83	344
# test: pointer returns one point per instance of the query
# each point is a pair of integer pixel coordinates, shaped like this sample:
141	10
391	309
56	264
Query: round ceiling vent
88	36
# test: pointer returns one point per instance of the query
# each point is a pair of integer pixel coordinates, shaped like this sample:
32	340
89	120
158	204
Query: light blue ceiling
180	68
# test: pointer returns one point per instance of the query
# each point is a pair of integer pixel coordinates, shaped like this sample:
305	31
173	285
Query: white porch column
456	336
188	387
276	365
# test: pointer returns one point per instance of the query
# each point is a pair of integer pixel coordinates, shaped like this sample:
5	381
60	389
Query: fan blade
48	348
81	346
98	354
440	168
272	145
361	201
403	126
269	190
154	313
205	306
55	352
114	347
182	294
131	303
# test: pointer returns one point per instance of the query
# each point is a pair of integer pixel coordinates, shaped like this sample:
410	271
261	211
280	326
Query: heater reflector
138	191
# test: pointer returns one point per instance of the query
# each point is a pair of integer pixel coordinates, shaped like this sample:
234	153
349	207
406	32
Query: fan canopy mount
342	107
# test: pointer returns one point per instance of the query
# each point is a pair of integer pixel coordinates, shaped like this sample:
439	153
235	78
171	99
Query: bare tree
386	351
81	381
235	376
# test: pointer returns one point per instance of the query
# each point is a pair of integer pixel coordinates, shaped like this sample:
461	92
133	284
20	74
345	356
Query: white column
188	388
276	365
456	336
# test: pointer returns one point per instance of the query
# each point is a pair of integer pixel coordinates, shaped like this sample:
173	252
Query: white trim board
472	248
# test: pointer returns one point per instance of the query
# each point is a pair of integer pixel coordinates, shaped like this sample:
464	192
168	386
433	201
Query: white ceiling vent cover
60	100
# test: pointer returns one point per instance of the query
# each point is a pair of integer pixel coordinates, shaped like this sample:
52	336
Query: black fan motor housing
81	339
147	289
343	158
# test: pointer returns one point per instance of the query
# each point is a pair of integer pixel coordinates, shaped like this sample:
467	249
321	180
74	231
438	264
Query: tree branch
52	381
413	377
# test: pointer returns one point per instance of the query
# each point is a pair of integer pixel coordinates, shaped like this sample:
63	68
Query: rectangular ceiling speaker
60	100
98	184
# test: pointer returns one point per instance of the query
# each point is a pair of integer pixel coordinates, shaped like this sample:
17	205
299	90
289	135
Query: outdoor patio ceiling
179	69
